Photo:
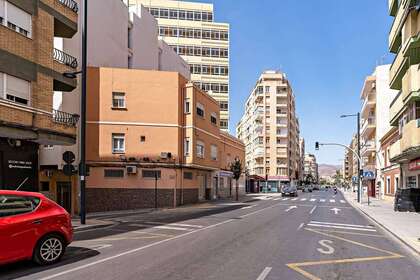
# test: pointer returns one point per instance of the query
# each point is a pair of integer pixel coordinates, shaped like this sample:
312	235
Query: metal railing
65	58
71	4
65	118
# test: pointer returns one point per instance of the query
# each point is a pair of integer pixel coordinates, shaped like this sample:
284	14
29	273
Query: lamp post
359	194
72	75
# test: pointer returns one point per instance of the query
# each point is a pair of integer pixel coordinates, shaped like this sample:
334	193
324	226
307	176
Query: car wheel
49	250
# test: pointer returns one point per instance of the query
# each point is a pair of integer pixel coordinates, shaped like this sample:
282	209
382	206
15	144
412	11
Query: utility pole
82	166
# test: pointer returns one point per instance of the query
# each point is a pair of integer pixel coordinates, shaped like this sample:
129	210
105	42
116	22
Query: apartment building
311	168
301	159
155	138
404	42
348	167
270	130
138	47
189	28
31	69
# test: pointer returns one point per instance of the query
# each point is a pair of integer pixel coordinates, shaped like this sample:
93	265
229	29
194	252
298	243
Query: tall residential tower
270	130
189	28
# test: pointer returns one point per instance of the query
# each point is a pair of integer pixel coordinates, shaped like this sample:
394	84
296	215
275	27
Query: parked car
316	187
32	227
289	191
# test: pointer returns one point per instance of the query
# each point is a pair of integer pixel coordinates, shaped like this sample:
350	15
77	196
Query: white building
189	28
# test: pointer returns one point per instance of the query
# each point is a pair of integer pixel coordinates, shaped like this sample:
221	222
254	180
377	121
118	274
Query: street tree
236	168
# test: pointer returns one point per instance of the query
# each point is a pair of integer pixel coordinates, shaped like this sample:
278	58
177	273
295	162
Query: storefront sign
414	165
19	164
225	174
369	175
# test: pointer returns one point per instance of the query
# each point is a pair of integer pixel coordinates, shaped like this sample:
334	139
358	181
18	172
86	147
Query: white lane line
278	198
312	199
264	273
294	199
286	198
339	224
332	200
258	211
300	226
132	251
173	228
312	210
302	199
174	224
322	200
342	201
341	227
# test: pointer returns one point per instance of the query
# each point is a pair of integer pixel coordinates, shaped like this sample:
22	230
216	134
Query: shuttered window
15	89
16	19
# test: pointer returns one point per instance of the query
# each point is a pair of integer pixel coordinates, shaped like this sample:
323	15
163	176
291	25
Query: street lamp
359	195
72	75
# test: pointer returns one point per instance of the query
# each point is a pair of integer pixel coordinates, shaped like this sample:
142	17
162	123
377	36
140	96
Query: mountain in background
328	169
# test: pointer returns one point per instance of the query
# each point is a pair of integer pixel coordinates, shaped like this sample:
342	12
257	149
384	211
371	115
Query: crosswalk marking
332	200
293	199
312	199
342	201
341	226
303	199
277	198
322	200
285	199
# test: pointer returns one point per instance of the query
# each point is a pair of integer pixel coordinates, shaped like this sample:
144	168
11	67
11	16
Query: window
142	138
224	124
267	89
118	143
200	149
11	205
200	110
164	13
224	106
151	174
188	175
213	118
15	89
173	14
214	152
187	144
16	19
187	106
222	182
114	173
118	100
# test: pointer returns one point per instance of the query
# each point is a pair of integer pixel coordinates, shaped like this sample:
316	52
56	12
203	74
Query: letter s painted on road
330	250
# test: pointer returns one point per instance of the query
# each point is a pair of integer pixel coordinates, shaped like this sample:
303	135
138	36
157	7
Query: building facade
155	141
138	47
404	41
390	172
189	28
311	168
301	159
270	130
31	69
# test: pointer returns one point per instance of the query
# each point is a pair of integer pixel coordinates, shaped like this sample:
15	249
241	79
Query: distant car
316	187
32	227
308	188
289	191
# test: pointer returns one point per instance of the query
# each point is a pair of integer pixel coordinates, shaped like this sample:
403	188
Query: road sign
369	175
69	157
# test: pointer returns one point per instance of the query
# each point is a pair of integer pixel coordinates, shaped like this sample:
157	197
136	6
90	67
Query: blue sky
325	47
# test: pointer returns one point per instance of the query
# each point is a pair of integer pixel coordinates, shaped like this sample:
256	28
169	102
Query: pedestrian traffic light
317	146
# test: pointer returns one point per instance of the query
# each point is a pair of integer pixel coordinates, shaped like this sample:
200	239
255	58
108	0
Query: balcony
368	104
65	118
396	108
368	126
411	83
410	139
368	148
407	56
64	58
71	4
395	150
259	152
392	7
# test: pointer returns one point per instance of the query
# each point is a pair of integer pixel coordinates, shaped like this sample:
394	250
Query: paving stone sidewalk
403	225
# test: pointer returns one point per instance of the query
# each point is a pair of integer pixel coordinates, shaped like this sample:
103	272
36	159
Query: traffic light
317	146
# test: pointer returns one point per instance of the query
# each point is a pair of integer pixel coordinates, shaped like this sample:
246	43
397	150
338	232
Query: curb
355	206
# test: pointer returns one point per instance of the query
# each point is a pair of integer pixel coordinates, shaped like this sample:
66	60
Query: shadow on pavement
25	268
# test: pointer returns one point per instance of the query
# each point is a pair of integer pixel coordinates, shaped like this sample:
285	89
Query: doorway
64	195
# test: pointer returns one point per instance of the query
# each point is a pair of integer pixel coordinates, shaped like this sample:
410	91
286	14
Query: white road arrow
290	208
336	210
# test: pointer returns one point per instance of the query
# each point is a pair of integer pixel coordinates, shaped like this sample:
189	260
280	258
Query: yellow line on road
297	266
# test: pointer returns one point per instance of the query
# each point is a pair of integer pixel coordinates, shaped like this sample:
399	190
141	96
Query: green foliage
236	168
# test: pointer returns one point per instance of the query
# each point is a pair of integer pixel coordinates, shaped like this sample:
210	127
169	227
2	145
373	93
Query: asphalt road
315	236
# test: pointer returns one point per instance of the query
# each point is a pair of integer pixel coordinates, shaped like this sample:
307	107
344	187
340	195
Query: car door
18	227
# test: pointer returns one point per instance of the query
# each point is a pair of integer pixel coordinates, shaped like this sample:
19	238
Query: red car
32	227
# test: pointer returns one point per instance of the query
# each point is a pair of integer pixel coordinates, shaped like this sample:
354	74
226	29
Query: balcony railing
65	118
65	58
71	4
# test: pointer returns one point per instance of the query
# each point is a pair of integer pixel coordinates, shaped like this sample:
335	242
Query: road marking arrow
290	208
336	210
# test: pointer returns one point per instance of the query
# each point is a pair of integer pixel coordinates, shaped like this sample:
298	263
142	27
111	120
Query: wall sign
414	165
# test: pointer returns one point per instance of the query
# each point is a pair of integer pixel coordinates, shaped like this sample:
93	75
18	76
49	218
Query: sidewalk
102	219
403	225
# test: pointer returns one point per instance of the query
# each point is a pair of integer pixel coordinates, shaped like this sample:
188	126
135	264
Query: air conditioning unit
165	155
131	169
